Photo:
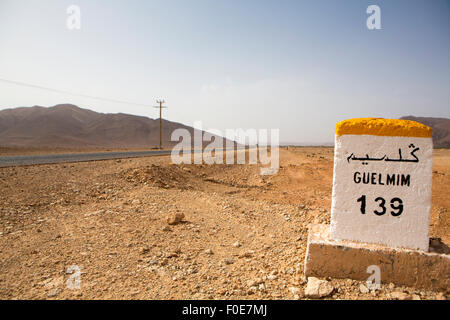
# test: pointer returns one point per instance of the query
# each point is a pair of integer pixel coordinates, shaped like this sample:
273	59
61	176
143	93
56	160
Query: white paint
410	229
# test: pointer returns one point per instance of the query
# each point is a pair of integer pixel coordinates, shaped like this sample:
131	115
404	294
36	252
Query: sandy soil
243	235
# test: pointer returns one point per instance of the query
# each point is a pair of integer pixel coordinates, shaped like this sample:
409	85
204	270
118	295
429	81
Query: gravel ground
147	229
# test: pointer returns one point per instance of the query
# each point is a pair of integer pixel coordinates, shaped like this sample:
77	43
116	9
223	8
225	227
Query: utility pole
160	107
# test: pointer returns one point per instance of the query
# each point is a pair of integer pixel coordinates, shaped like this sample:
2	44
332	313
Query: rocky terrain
147	229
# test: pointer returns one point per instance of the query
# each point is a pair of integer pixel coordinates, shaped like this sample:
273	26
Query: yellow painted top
383	127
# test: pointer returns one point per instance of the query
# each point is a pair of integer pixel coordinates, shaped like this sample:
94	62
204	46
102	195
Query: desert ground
243	235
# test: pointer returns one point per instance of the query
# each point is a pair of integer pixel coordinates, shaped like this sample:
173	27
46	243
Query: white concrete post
382	182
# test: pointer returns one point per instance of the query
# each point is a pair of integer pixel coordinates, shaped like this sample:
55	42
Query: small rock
174	218
251	290
398	295
363	289
247	254
94	213
318	288
209	251
53	292
254	282
135	292
272	277
164	262
172	255
295	291
441	296
236	244
166	228
290	271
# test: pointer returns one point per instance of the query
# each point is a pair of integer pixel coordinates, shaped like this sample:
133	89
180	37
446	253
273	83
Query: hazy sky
300	66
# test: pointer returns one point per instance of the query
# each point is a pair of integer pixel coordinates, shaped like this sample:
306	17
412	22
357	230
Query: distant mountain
441	129
68	126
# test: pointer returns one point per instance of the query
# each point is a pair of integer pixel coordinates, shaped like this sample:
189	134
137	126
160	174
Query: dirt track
243	236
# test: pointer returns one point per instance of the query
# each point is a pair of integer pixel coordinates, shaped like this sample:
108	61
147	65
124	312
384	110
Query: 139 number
396	206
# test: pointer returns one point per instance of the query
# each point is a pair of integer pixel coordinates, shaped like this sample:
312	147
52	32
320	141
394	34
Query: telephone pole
160	107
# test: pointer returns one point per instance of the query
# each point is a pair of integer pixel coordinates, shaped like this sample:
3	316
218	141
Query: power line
73	94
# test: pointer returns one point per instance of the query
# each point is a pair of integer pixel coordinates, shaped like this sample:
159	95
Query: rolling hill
440	126
68	126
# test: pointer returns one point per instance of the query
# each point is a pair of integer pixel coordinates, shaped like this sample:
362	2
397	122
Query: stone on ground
317	288
175	218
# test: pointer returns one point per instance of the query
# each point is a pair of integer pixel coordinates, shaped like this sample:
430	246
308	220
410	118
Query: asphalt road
9	161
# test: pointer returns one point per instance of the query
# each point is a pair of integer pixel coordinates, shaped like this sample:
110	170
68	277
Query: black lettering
363	204
366	178
406	180
380	179
376	178
396	204
372	178
390	179
382	203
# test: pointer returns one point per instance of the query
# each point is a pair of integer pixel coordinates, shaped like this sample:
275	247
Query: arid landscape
68	128
336	114
148	229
